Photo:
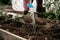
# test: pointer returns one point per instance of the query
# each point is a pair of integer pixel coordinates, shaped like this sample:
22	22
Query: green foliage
1	14
18	19
1	3
9	17
5	2
49	15
54	12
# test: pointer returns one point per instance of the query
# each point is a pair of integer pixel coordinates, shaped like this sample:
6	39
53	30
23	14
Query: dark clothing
39	5
32	1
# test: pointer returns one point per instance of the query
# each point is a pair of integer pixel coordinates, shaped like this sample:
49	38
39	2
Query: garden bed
5	35
44	30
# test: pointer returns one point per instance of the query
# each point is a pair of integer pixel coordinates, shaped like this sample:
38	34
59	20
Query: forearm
25	4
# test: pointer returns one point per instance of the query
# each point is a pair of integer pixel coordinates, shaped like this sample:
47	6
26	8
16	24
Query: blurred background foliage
5	2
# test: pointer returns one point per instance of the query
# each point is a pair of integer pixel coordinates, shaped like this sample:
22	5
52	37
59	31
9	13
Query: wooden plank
9	36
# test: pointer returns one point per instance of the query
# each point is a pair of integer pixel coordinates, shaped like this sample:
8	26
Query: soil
1	38
45	30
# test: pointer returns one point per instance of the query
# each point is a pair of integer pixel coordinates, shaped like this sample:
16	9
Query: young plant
1	13
8	18
18	21
2	17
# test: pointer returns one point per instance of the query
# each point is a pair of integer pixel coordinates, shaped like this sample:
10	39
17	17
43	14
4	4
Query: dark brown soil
1	38
45	30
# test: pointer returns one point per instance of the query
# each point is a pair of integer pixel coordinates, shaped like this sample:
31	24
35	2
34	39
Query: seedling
18	21
1	13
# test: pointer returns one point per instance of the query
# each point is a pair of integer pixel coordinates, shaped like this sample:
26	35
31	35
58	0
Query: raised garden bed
5	35
44	30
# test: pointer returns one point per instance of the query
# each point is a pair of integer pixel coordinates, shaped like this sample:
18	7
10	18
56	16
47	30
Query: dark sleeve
39	1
